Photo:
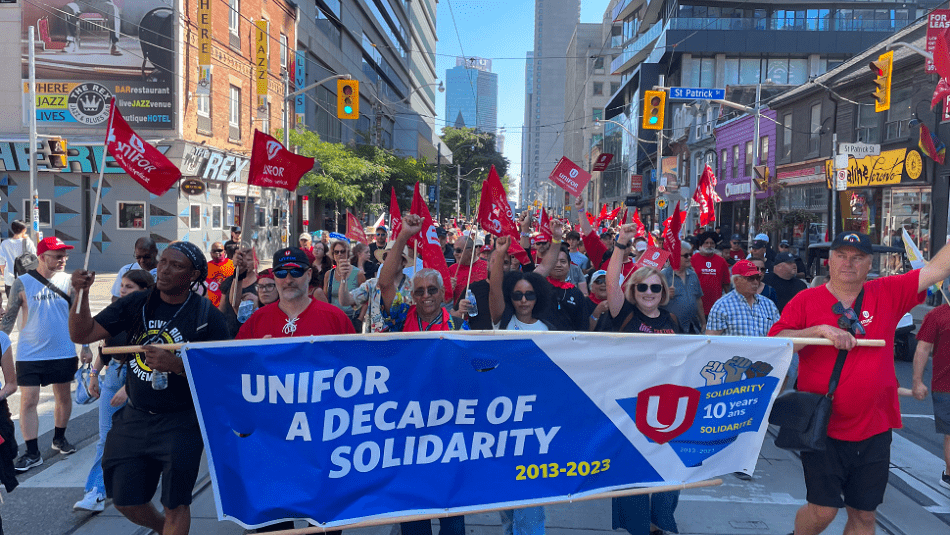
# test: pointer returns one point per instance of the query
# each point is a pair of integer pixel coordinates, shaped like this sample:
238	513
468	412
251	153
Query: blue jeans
635	513
109	384
526	521
453	525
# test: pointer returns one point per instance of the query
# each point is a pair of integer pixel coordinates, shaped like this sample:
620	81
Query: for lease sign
570	177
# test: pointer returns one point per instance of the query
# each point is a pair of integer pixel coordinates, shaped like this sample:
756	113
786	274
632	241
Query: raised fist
735	367
759	369
714	372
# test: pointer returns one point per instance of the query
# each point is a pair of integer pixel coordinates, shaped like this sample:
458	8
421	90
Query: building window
869	124
216	216
735	161
764	150
597	114
898	117
814	130
234	114
786	136
614	87
234	23
283	51
598	64
265	122
747	168
131	215
203	107
195	220
598	89
723	159
46	218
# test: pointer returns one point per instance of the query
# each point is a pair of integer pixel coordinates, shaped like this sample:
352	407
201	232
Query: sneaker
114	50
27	461
93	501
742	476
71	46
945	479
63	446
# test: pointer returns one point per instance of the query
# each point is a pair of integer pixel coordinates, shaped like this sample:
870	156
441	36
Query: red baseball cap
51	243
745	268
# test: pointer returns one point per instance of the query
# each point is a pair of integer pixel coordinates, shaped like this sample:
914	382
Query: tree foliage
471	150
340	176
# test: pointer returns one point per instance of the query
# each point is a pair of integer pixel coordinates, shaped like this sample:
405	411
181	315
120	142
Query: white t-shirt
516	325
10	249
117	285
46	333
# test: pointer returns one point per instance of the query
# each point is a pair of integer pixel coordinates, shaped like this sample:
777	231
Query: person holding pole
156	435
852	472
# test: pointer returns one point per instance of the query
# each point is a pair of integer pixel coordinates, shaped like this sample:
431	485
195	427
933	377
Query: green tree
471	150
398	172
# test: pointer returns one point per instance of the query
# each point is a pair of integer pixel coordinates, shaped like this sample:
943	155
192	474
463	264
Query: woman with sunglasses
331	284
637	307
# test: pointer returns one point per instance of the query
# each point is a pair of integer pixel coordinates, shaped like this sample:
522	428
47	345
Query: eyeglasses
753	278
687	255
338	252
212	250
518	296
654	288
460	251
431	290
848	319
266	287
295	273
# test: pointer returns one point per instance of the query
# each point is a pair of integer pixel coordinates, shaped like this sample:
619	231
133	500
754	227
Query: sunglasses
518	296
848	320
753	278
266	287
687	255
460	251
295	273
338	252
214	251
431	290
654	288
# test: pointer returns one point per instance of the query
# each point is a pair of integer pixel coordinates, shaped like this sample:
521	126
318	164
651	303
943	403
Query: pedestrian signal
57	153
348	99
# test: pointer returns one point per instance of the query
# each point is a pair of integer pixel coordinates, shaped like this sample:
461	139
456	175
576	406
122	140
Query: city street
915	503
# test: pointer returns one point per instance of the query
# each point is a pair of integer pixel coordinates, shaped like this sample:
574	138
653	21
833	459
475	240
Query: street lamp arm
923	53
290	96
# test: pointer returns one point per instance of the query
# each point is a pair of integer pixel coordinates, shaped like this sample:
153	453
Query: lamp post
458	189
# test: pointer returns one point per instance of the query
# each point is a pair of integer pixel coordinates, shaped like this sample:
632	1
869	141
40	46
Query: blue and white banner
342	429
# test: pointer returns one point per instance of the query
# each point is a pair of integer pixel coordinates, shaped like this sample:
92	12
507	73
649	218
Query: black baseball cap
859	241
289	258
758	244
783	243
781	258
236	229
737	237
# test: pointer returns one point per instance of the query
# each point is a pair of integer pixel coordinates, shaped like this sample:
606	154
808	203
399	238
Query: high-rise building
471	95
554	23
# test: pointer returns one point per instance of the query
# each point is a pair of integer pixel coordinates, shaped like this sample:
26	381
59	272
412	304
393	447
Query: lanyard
431	325
164	329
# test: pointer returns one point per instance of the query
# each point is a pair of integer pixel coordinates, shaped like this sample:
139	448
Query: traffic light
57	153
348	99
654	106
882	69
761	178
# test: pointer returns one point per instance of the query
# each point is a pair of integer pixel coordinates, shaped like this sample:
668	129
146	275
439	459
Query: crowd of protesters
575	278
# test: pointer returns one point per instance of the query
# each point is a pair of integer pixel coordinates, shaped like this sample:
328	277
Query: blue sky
495	29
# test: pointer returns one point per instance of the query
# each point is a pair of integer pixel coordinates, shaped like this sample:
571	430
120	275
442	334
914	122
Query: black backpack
25	262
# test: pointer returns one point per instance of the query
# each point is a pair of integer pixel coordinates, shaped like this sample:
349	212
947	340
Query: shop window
216	216
131	215
195	220
46	218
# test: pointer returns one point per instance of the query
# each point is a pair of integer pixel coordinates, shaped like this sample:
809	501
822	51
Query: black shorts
849	473
46	372
141	447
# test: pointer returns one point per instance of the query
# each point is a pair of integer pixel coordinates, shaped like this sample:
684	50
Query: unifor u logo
665	412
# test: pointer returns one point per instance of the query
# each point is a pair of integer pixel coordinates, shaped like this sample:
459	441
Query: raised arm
524	225
582	216
496	278
411	224
936	270
343	293
615	297
82	328
550	258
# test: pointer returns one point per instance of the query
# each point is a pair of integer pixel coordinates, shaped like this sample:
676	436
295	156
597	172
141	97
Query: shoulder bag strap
36	275
626	320
842	353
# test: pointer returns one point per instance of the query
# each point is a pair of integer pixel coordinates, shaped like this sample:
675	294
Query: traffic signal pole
34	203
755	157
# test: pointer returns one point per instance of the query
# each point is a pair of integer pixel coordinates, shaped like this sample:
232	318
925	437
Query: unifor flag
273	166
354	229
671	235
143	162
544	225
426	242
395	216
641	229
495	216
408	419
706	197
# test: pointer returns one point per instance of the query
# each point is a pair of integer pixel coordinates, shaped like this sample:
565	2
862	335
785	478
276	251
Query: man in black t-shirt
156	435
783	279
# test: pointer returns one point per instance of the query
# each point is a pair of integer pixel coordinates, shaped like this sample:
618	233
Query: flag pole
471	237
95	204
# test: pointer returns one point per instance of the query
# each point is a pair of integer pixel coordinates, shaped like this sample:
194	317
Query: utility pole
34	202
659	154
755	157
438	185
458	188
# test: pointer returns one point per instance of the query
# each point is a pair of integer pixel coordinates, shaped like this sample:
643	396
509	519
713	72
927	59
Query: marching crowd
573	278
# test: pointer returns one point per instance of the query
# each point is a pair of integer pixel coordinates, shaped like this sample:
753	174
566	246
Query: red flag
354	230
706	196
941	56
641	230
590	218
545	225
427	242
273	166
613	214
671	235
940	92
495	216
143	162
623	220
603	213
395	216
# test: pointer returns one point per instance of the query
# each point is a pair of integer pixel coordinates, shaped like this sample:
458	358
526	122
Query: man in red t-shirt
294	313
735	252
934	337
712	270
853	471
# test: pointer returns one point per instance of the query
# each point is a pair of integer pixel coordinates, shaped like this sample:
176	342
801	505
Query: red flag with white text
395	216
143	162
426	242
671	235
354	230
495	216
544	225
706	196
273	166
